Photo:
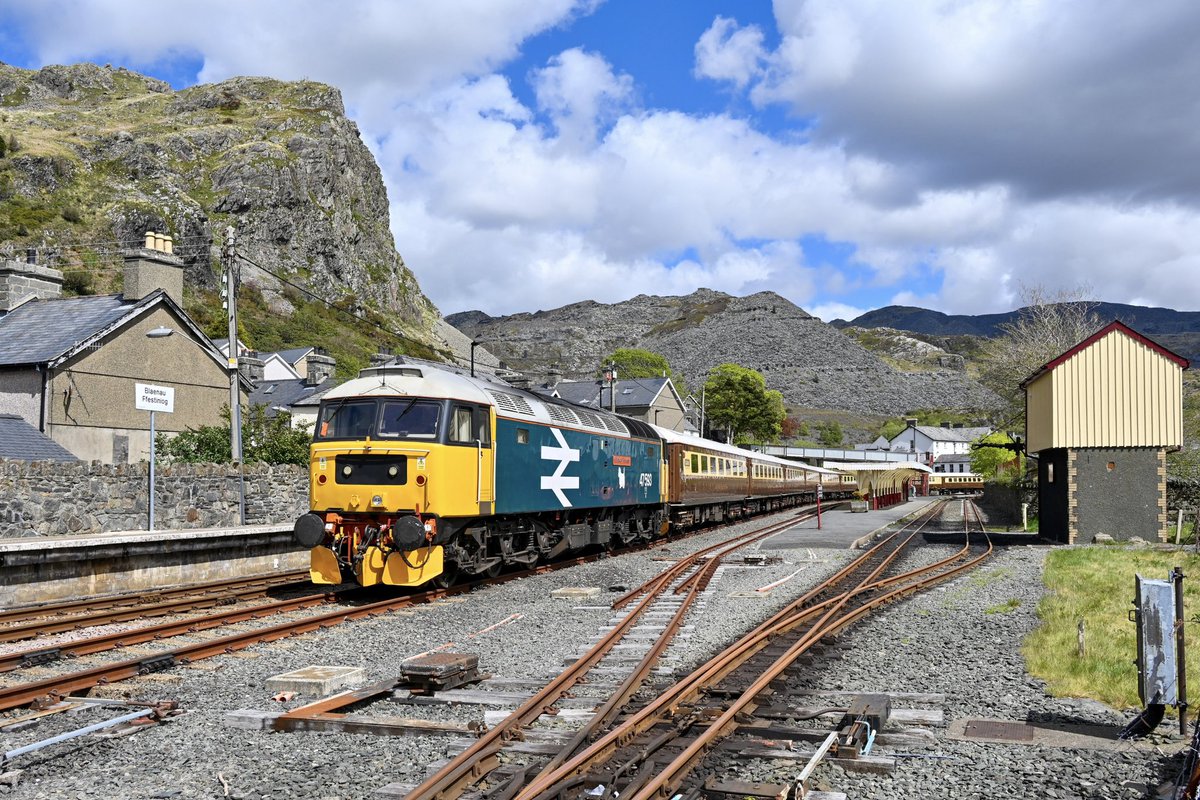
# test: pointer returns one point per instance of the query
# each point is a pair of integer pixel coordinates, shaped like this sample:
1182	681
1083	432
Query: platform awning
880	478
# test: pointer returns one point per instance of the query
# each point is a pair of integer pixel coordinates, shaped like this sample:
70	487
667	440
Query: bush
71	214
267	439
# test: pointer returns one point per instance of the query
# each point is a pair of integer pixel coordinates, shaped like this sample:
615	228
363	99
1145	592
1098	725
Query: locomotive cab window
409	419
468	424
347	420
522	436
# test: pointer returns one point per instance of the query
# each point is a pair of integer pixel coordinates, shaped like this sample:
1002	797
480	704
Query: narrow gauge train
420	474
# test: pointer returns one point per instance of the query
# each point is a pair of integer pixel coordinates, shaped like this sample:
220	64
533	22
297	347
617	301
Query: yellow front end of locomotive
363	490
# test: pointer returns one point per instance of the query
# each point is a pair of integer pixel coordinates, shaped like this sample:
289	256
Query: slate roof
953	434
294	354
634	393
284	394
42	330
20	440
939	434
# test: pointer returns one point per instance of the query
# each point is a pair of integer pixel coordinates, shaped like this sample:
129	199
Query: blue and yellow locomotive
421	474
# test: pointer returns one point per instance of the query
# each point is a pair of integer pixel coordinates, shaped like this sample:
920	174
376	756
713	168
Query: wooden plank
926	698
30	719
876	764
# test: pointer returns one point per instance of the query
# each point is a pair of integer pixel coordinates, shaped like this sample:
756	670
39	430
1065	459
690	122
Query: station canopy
880	477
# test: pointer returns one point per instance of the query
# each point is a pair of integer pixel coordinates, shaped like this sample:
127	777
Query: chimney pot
149	240
30	256
168	245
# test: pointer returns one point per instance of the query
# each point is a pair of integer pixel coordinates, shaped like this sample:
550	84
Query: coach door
472	426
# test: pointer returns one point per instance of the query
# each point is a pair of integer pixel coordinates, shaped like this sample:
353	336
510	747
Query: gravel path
190	756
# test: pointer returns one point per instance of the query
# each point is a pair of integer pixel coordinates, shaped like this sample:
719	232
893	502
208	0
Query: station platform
844	529
43	569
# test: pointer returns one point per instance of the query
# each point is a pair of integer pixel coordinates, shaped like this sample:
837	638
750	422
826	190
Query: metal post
1180	660
612	389
235	400
150	516
474	344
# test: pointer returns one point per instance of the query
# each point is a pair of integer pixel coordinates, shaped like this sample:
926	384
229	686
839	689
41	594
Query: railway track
649	748
352	605
144	604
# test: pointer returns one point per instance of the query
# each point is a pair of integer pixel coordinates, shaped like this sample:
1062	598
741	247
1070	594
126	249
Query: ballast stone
315	680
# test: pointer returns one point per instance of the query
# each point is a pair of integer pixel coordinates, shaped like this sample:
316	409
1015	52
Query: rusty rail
145	601
481	757
832	615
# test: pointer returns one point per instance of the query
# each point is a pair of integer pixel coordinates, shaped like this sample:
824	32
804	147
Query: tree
1049	324
994	462
830	433
792	428
268	439
737	401
633	362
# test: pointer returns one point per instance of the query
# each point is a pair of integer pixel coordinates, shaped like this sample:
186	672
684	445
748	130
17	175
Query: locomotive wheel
448	576
493	571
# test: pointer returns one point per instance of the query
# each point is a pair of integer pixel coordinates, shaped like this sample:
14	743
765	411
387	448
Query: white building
928	443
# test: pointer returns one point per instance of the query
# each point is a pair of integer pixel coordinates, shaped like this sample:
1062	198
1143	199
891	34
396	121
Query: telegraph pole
229	260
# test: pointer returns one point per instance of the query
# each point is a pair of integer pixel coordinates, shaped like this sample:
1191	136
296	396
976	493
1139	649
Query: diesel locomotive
421	474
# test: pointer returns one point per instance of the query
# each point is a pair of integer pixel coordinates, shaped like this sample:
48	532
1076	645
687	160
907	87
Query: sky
847	154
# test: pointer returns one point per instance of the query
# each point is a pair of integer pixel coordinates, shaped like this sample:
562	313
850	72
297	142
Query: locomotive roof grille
511	402
590	419
614	424
562	414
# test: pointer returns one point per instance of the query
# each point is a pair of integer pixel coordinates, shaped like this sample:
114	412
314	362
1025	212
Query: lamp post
698	404
235	420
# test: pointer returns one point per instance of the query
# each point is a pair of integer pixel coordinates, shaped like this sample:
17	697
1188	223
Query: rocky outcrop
812	363
104	155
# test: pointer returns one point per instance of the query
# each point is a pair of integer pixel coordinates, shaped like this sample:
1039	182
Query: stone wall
48	498
1120	491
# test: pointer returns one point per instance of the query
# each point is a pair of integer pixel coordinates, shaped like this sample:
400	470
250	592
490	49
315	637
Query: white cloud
580	92
831	311
957	149
1049	98
729	53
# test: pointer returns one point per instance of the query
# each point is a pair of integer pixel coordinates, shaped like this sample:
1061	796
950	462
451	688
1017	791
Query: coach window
695	463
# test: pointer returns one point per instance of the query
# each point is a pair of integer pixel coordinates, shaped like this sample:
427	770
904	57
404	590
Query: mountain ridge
813	364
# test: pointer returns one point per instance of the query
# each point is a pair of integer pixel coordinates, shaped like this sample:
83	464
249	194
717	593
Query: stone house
1100	419
69	366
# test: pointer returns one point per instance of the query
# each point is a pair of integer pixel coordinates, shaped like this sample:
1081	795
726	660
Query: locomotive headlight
393	471
346	470
377	500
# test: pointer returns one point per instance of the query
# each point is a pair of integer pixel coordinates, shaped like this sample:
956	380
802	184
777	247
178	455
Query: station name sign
148	397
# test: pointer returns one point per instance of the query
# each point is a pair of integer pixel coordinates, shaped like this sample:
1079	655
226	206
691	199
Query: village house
70	367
